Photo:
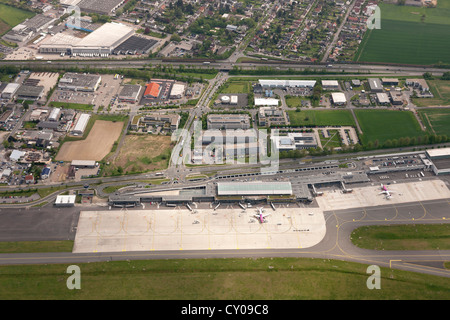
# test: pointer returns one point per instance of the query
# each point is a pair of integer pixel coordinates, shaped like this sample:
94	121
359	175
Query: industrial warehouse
99	43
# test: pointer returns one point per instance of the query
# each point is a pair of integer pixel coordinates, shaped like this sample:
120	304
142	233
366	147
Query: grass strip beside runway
215	279
403	237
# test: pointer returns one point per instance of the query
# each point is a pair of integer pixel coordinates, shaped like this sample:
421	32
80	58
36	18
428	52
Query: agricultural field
409	35
141	153
383	125
437	120
11	16
321	118
96	146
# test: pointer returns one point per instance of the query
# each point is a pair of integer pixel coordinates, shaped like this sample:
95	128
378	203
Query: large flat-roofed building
338	98
396	97
135	45
228	121
287	83
177	91
390	81
103	40
263	102
81	124
130	93
99	43
170	121
383	98
104	7
375	85
254	188
79	82
330	84
65	201
26	92
229	137
294	141
10	90
440	159
84	163
420	84
268	116
27	29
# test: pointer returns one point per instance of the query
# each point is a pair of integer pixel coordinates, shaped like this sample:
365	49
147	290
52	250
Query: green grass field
383	124
218	279
236	87
321	118
437	120
409	35
70	105
441	93
403	237
11	17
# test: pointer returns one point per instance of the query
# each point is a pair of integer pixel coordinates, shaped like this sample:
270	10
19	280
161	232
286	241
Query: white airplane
386	191
260	216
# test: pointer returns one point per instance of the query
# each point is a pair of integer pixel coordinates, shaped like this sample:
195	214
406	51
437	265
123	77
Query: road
337	33
335	245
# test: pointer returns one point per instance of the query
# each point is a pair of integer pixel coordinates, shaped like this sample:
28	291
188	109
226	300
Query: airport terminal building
440	159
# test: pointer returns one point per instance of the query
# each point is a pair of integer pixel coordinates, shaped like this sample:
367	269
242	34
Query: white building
440	159
81	124
54	115
10	90
264	102
65	200
338	98
330	85
100	42
177	91
294	141
287	83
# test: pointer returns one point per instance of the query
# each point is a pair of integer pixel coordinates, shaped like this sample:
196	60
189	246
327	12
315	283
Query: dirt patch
96	146
143	153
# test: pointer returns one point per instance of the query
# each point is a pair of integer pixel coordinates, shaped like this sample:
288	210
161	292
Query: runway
335	244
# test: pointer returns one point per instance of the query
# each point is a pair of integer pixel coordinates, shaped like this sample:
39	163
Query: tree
446	76
428	76
175	37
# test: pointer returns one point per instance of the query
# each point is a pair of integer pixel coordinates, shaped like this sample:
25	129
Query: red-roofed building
152	90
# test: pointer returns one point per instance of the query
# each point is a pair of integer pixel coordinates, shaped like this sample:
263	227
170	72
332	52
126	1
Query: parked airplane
386	191
261	217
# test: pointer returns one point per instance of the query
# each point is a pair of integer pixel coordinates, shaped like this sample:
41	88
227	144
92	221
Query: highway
223	65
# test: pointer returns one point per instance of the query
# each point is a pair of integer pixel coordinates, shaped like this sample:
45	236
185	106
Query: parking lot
69	96
107	91
104	95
